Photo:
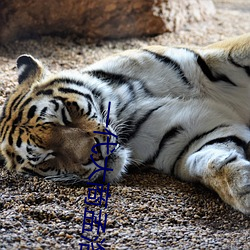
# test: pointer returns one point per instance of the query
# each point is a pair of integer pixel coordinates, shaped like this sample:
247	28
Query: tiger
183	110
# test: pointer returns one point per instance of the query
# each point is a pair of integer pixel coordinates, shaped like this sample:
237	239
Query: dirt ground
146	210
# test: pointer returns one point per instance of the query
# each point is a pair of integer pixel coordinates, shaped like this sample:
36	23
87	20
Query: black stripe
3	135
43	111
132	98
26	103
101	105
122	108
19	142
13	106
173	64
169	135
67	81
13	128
60	98
109	77
213	77
96	92
195	139
89	109
119	79
17	101
19	118
35	158
3	124
146	90
16	121
31	172
73	91
138	124
19	159
209	74
232	138
112	78
31	112
56	105
45	92
231	60
29	149
21	131
10	139
42	114
3	127
124	133
232	160
205	69
132	91
64	117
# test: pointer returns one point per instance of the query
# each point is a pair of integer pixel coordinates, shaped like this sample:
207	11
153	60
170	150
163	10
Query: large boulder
98	19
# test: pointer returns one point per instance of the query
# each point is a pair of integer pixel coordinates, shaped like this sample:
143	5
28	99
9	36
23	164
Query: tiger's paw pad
236	188
241	188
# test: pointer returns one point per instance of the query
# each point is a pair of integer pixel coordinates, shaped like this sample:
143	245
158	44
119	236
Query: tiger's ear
30	70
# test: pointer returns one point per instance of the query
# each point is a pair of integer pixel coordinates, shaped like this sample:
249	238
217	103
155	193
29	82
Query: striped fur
182	110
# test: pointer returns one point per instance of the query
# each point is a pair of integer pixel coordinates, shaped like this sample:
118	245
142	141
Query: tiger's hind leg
222	169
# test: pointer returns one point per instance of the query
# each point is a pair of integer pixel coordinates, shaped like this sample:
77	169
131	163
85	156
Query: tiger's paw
231	180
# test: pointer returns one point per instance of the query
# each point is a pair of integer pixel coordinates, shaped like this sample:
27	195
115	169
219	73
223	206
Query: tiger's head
53	126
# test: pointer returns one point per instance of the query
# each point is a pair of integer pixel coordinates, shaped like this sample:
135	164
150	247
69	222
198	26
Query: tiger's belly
168	130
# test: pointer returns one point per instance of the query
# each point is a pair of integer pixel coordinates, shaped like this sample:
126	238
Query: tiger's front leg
223	169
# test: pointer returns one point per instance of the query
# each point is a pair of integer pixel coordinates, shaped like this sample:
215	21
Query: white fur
200	107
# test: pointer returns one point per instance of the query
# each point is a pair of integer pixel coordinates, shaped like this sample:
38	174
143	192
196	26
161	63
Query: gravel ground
146	210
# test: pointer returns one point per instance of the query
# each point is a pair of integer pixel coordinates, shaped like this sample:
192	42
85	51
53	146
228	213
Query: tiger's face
53	127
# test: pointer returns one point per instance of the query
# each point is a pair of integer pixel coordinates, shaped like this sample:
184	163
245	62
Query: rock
98	19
